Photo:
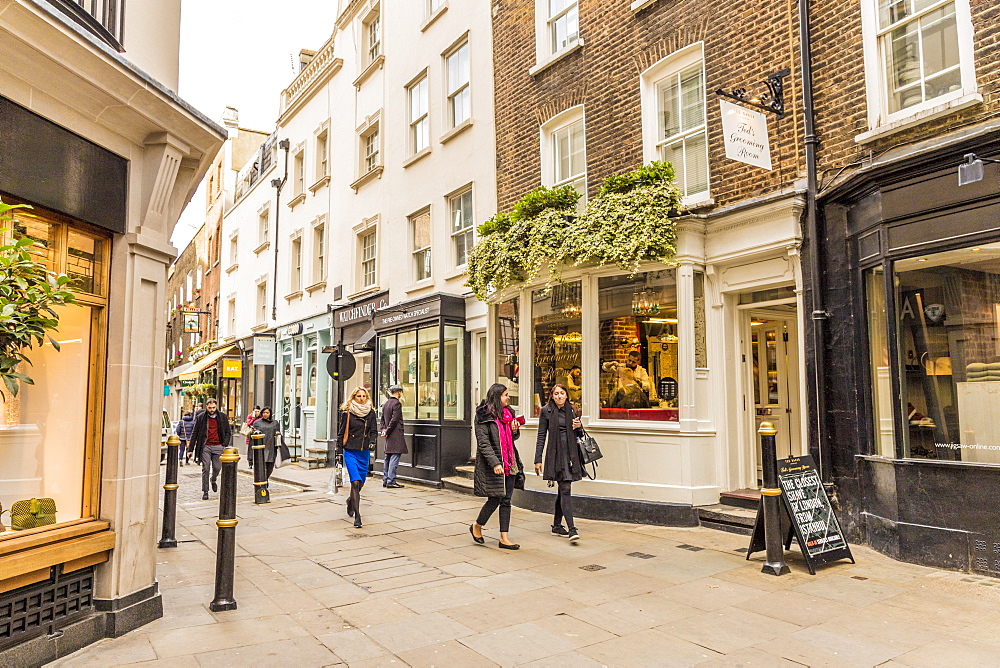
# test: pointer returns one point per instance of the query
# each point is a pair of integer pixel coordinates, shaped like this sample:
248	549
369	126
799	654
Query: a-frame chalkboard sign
806	514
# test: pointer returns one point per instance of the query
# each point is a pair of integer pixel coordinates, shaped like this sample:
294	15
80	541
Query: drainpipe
278	184
819	313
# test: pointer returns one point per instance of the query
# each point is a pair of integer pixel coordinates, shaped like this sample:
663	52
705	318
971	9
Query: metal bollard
167	539
225	552
771	500
260	494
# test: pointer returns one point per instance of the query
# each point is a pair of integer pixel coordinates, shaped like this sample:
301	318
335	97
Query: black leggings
503	502
564	504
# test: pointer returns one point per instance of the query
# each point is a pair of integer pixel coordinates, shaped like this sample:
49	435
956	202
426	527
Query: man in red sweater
211	434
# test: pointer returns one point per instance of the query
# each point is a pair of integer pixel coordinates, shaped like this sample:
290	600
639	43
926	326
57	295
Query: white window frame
547	149
262	300
299	171
323	152
363	259
545	51
419	86
877	88
371	152
428	258
234	248
295	262
319	251
649	82
460	87
469	232
263	224
372	40
232	316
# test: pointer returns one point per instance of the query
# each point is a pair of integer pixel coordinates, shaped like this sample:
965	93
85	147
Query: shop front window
508	331
454	362
878	348
428	372
47	430
948	328
407	361
638	347
556	319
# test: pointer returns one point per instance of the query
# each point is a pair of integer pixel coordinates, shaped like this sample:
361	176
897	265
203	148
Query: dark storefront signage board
806	515
399	317
360	311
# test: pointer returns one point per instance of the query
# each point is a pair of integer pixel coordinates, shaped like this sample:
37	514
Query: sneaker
574	535
559	530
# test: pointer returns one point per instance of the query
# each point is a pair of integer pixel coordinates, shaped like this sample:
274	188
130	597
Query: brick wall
743	44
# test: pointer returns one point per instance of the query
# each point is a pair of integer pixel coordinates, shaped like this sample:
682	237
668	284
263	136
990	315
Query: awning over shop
366	341
208	360
179	371
188	376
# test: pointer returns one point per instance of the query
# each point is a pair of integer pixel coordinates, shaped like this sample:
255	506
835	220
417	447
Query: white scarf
361	410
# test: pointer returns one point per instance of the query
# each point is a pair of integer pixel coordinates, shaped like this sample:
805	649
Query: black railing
104	18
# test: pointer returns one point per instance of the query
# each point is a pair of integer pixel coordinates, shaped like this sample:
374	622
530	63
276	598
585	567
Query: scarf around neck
506	440
361	410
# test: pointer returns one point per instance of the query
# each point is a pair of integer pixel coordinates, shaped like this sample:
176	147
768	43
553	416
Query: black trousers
502	502
564	504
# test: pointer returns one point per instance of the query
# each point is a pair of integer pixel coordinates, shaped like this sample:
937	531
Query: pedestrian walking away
558	426
392	432
498	465
211	434
274	440
253	417
184	429
356	433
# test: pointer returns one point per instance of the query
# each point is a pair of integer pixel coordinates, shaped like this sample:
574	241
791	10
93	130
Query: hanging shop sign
745	133
264	350
232	368
806	514
192	323
188	382
166	390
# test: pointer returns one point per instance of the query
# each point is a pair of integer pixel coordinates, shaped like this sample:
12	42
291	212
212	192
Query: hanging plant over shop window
631	220
29	293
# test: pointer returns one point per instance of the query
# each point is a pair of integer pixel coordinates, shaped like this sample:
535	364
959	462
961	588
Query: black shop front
423	347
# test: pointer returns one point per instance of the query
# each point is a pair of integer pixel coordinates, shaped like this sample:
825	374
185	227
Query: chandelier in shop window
645	302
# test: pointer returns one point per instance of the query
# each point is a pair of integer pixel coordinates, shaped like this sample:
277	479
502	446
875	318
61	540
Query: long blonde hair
346	406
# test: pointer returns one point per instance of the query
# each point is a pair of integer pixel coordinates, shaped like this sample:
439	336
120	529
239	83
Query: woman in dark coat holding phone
559	425
357	430
498	466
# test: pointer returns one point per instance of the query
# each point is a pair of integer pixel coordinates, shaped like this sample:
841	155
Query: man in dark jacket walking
211	434
392	431
184	430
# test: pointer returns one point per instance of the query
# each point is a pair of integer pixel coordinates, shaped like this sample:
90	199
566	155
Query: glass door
774	376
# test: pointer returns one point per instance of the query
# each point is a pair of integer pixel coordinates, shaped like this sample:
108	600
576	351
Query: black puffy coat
486	482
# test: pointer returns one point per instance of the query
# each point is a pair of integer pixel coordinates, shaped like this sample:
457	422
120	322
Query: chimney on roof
231	117
305	57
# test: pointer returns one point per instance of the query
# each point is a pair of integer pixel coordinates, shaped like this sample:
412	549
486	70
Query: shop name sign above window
360	311
398	316
745	132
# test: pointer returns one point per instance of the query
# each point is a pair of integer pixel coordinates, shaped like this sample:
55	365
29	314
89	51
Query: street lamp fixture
972	170
768	95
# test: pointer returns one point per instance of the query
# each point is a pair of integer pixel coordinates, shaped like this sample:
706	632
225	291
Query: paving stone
448	654
414	632
521	643
648	648
373	612
352	646
279	654
729	629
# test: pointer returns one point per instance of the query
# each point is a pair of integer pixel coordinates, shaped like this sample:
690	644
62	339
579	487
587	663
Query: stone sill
455	131
555	58
371	175
370	70
263	247
640	4
458	272
419	285
319	184
295	201
416	156
295	295
434	17
260	328
370	290
922	116
233	267
321	285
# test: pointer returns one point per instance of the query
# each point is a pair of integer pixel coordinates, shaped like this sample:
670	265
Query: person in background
392	432
357	430
253	417
639	373
273	438
498	465
212	433
184	430
558	426
574	384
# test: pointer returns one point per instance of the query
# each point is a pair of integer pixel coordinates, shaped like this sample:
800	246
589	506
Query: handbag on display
590	452
32	513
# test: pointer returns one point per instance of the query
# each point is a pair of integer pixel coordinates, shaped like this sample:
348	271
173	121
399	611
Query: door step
741	498
731	519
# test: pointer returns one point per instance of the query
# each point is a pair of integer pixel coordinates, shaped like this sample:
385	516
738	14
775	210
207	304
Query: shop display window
454	362
878	349
947	324
638	347
428	368
508	344
556	320
428	372
48	446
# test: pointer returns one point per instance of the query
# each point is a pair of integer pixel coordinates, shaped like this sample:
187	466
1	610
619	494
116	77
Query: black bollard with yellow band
167	538
225	553
770	499
260	493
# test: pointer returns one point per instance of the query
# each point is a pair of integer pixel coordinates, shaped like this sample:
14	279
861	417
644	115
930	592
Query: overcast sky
241	53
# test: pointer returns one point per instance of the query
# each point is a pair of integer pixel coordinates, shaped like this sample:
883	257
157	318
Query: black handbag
590	452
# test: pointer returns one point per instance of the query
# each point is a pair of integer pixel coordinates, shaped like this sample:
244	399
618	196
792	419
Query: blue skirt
356	462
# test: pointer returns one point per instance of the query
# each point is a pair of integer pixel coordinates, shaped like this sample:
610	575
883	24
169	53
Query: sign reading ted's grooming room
745	133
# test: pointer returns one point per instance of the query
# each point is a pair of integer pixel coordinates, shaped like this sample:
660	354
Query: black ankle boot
559	530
